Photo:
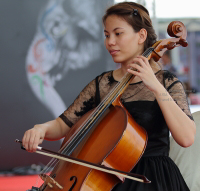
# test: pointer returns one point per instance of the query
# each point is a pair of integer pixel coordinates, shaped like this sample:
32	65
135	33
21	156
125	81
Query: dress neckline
130	83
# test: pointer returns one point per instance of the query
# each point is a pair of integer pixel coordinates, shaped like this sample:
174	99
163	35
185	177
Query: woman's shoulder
105	75
167	78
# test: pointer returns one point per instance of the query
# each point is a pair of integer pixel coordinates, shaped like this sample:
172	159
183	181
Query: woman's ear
142	36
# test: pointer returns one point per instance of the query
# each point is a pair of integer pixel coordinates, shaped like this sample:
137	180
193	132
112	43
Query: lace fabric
84	102
87	99
140	102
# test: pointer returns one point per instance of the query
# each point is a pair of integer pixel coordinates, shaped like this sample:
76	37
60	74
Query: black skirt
161	171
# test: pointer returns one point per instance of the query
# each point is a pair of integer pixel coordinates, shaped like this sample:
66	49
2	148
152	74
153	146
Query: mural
69	36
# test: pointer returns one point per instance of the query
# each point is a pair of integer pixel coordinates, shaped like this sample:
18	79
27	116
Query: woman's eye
118	33
106	36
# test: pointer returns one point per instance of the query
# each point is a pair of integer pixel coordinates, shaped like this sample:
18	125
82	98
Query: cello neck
124	82
101	108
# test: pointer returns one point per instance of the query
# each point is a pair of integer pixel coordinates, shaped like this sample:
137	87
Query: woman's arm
58	128
52	130
183	129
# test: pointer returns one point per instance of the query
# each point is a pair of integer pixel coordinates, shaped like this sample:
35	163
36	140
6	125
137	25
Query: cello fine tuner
50	181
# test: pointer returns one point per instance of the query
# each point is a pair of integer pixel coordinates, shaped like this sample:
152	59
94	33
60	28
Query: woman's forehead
114	21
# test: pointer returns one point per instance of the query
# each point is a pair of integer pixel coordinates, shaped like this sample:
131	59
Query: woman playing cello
155	99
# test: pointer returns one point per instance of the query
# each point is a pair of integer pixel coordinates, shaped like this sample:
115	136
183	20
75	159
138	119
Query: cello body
116	138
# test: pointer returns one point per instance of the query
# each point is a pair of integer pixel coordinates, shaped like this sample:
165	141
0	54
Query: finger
26	140
144	59
136	66
136	73
36	142
139	61
31	142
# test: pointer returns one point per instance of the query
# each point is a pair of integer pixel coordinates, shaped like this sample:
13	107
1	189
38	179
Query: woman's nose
111	41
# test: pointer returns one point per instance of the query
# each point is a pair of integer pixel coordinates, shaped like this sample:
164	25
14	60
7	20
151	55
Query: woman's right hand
51	130
33	137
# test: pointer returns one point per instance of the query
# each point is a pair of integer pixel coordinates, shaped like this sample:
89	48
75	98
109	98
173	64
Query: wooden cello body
116	138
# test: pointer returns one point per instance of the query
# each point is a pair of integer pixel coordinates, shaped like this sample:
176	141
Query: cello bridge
50	181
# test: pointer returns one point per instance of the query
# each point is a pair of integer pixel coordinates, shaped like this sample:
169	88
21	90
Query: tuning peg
182	42
171	45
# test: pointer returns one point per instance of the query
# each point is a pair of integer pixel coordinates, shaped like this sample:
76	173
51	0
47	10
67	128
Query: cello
104	136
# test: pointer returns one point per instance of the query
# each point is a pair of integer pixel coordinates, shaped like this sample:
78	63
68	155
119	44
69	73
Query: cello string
53	161
81	132
123	83
47	168
128	76
92	115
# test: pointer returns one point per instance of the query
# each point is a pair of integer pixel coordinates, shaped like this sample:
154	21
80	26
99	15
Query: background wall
49	51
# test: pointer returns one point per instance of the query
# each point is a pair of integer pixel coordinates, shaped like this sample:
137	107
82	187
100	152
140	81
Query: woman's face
121	41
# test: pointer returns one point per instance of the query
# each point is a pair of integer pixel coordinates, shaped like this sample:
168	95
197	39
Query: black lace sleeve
177	92
81	105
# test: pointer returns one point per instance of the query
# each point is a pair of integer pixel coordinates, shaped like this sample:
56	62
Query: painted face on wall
68	37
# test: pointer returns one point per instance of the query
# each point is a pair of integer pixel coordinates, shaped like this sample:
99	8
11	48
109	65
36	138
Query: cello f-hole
75	180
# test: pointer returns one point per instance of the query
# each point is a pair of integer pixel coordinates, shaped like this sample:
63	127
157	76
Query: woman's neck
120	72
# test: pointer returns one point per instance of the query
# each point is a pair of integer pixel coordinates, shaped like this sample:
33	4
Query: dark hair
141	19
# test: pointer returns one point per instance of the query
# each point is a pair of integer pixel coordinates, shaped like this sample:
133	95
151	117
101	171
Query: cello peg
171	45
183	42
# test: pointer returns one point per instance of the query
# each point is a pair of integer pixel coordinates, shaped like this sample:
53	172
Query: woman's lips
113	52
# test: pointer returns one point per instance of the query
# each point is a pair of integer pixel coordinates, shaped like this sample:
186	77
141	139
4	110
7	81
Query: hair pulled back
140	20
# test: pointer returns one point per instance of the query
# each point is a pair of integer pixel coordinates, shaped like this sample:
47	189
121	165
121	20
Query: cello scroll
175	29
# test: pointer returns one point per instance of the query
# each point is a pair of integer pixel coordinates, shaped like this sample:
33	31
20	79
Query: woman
128	32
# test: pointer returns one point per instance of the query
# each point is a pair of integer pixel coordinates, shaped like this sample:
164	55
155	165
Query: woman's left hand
144	72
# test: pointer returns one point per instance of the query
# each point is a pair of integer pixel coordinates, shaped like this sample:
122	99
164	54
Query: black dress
140	102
